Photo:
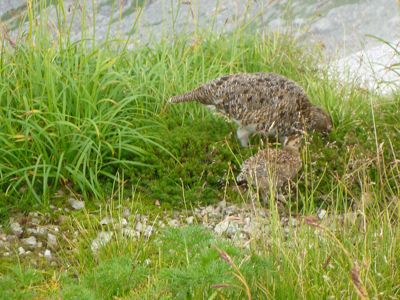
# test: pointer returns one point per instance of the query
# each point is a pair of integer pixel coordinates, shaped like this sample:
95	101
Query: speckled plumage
266	103
272	169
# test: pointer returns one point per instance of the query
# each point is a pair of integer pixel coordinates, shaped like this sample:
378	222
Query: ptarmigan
271	169
266	103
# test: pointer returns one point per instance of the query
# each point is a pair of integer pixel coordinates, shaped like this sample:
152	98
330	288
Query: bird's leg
243	136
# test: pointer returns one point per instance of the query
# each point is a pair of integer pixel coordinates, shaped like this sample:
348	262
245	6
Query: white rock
21	251
321	214
106	221
30	241
123	222
147	262
5	254
139	227
47	254
126	213
130	233
51	240
148	231
189	220
16	228
221	227
222	204
173	223
101	240
76	204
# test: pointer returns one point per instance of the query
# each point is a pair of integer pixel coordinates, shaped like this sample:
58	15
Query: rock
232	229
123	222
76	204
148	231
126	213
221	227
173	223
139	227
222	204
147	262
157	203
5	254
21	251
51	240
130	233
29	242
293	222
101	240
106	221
321	214
16	228
189	220
47	254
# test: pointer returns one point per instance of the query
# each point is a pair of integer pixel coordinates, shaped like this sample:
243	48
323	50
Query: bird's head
319	120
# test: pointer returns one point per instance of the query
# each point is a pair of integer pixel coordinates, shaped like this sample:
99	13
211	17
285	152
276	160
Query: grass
93	122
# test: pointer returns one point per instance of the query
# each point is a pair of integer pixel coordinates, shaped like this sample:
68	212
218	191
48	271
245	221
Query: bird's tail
198	94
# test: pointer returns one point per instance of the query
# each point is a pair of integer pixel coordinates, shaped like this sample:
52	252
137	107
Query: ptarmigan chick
271	169
266	103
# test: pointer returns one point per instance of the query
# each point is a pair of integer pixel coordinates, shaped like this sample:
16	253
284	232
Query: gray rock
51	240
130	233
126	213
221	227
173	223
139	227
148	231
16	228
106	221
123	222
101	240
76	204
189	220
29	242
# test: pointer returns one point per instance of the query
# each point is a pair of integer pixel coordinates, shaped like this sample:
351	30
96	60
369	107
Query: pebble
29	242
76	204
189	220
126	213
321	214
123	222
139	227
51	240
148	231
21	251
47	254
106	221
16	229
173	223
101	240
221	227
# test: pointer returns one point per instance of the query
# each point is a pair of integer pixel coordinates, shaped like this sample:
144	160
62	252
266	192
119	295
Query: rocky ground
42	238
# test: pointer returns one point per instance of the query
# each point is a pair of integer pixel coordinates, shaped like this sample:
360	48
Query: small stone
148	231
30	241
126	213
189	220
222	204
221	227
130	233
21	251
76	204
293	222
173	223
101	240
35	221
47	254
157	203
147	262
5	254
123	222
16	229
39	245
106	221
51	240
321	214
233	227
139	227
